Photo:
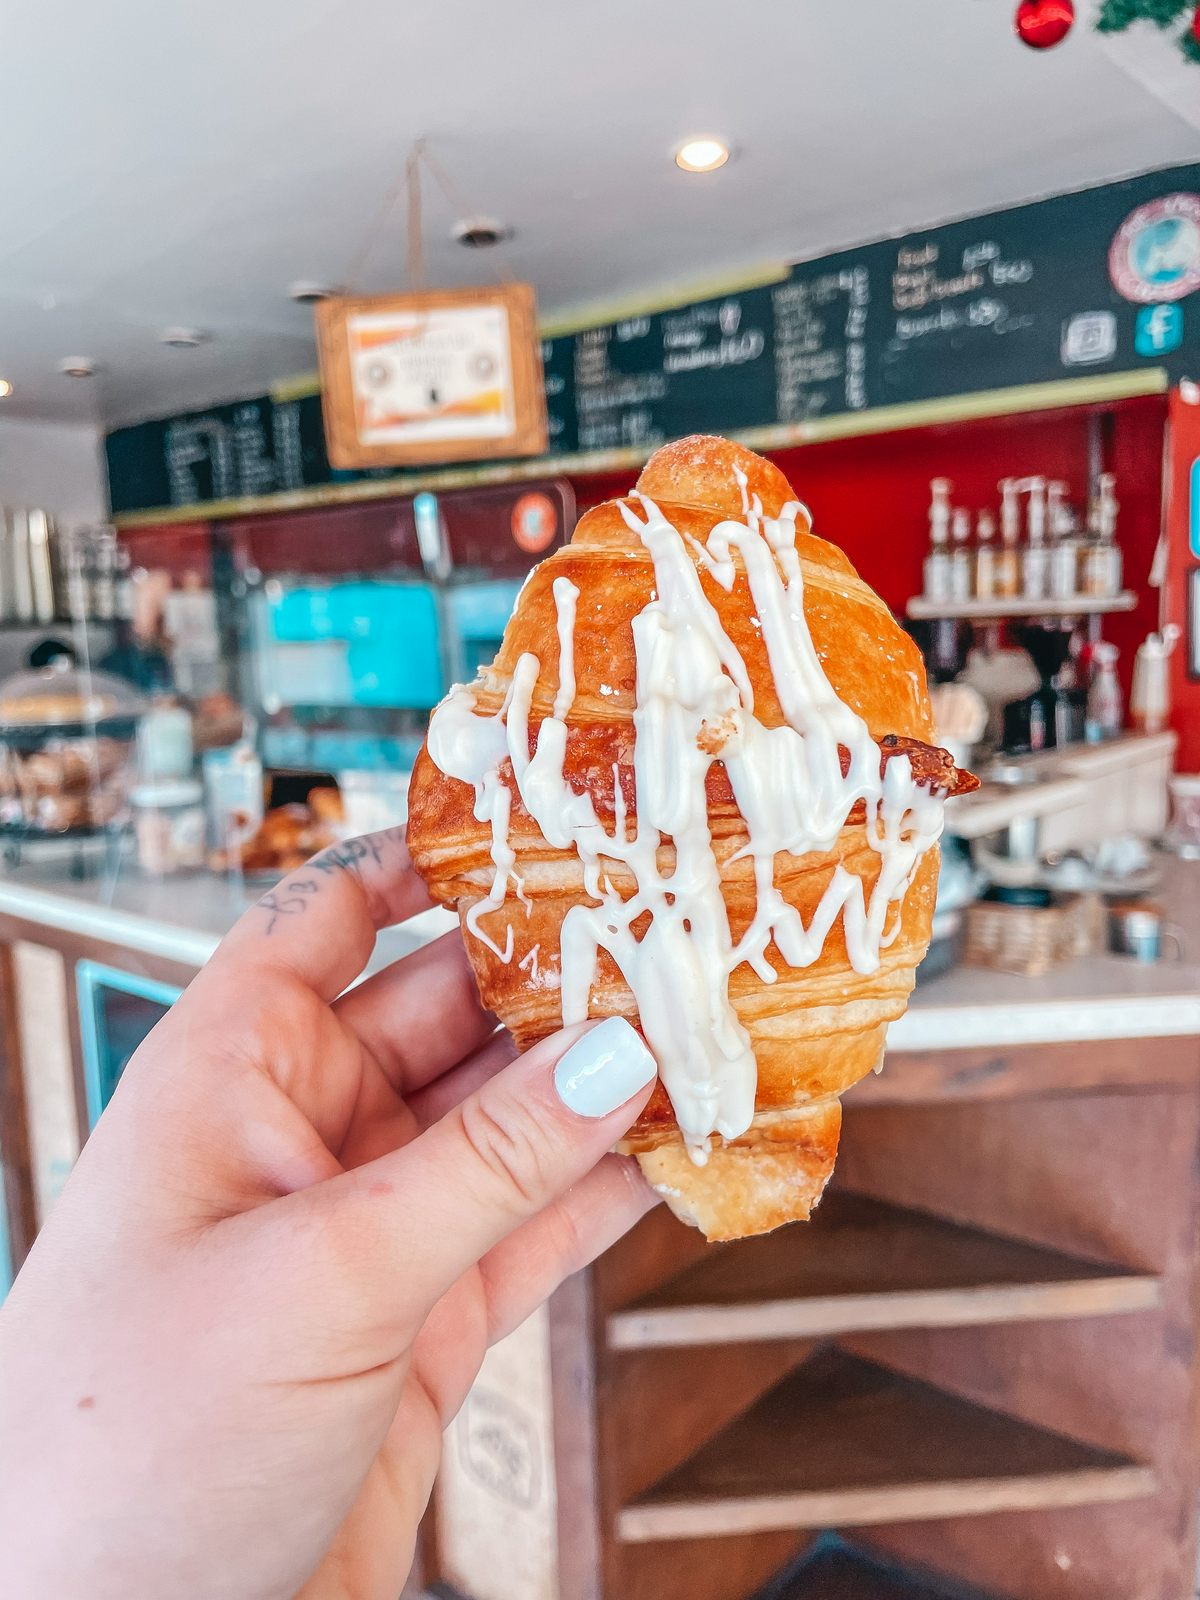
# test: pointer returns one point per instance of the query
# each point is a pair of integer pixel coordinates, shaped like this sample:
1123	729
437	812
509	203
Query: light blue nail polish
603	1069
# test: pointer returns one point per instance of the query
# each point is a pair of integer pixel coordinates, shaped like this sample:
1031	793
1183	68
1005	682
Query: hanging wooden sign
443	375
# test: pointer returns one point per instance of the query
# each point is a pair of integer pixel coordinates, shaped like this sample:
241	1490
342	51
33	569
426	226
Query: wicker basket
1030	940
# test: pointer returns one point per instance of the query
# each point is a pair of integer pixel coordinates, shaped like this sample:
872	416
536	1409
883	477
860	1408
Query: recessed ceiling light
702	155
5	388
183	338
307	294
479	233
77	367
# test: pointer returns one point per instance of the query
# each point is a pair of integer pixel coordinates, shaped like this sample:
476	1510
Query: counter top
178	919
1100	997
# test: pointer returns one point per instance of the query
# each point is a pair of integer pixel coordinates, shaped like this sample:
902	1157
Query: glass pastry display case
66	743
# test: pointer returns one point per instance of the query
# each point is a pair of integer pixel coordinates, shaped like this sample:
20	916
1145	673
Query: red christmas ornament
1041	24
1196	25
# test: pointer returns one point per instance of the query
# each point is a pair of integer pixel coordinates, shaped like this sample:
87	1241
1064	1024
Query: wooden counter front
974	1367
971	1375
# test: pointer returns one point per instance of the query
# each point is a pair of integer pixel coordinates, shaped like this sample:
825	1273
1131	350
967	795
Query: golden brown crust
815	1030
775	1174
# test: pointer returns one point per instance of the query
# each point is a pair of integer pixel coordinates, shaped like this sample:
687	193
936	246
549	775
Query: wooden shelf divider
843	1442
862	1265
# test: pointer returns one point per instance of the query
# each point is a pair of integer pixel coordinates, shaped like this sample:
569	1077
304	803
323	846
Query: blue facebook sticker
1159	330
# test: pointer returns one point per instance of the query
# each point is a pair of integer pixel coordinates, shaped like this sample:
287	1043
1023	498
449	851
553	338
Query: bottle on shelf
22	576
104	575
123	596
937	562
1064	549
1006	579
962	564
1035	556
1150	697
985	556
164	740
78	582
41	572
1102	556
1105	710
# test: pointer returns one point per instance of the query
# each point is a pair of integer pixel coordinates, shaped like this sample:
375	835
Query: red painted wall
871	495
1183	437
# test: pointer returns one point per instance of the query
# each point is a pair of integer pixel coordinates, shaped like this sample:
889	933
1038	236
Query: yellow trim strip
666	299
297	388
855	424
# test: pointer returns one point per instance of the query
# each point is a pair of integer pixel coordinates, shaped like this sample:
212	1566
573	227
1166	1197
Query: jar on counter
165	741
169	826
233	786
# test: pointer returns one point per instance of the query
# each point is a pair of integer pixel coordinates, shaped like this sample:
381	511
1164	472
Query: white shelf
922	610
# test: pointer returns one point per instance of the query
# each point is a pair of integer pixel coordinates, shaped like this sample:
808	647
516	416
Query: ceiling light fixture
305	293
77	367
183	338
480	233
5	388
701	155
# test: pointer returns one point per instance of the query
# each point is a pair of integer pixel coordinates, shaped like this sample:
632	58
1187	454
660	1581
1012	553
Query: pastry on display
287	836
697	789
55	709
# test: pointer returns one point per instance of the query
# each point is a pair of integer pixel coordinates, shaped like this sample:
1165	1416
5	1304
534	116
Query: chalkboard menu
254	447
1105	280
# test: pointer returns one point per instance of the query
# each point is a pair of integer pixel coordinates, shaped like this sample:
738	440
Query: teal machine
343	672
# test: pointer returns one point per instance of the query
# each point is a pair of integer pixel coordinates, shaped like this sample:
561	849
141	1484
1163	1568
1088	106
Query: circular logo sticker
1155	254
534	522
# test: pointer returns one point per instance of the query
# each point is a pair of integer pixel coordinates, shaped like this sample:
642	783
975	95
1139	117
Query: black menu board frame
1097	285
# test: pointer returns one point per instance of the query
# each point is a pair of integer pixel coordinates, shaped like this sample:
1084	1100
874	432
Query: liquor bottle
985	556
1035	558
104	579
1065	546
962	566
123	597
1101	555
1105	711
1007	574
937	562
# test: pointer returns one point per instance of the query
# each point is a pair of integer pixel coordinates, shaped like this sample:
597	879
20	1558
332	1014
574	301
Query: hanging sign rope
429	375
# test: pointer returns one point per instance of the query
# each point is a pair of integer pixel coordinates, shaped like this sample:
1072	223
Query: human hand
270	1281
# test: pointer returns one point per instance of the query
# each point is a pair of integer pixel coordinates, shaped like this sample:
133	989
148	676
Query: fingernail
604	1069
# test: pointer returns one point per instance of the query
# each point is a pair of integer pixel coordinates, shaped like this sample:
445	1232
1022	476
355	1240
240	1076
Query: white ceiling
181	161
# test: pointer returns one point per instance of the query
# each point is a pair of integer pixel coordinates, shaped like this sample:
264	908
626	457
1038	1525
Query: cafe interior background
941	262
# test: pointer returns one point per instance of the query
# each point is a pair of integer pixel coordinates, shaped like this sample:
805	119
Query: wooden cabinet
971	1375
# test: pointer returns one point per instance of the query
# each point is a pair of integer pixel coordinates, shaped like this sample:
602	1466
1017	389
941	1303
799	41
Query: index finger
319	923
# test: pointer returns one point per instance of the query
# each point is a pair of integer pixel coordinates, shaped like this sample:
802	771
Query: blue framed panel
116	1011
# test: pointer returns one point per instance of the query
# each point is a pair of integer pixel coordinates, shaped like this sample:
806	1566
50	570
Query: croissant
696	789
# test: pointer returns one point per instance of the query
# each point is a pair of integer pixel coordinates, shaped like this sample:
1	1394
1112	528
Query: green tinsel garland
1117	15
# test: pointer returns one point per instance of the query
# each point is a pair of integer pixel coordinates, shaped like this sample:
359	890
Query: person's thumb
429	1211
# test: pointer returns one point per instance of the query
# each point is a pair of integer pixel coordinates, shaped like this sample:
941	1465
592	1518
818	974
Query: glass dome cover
64	700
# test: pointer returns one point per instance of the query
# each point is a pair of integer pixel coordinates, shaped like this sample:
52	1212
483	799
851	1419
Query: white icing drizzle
565	596
692	689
